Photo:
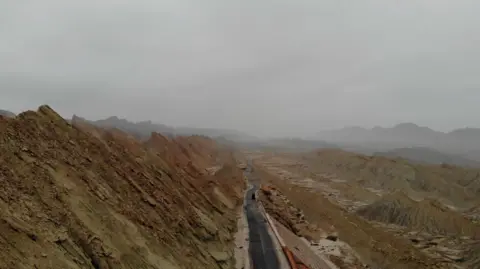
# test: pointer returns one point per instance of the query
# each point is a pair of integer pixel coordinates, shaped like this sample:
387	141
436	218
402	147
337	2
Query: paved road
262	250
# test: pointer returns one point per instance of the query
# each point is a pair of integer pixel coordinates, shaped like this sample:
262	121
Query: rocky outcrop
278	206
78	196
452	185
474	256
427	215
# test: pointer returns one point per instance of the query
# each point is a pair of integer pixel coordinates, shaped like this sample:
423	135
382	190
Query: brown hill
77	196
377	247
456	185
426	215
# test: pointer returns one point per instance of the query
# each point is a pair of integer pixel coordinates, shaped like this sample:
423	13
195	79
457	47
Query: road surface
261	247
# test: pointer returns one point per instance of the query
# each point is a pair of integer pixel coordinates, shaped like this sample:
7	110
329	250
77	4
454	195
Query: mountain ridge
428	156
462	141
143	129
80	196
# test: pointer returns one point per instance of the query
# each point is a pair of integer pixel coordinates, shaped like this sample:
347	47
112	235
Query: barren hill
392	212
77	196
455	185
426	215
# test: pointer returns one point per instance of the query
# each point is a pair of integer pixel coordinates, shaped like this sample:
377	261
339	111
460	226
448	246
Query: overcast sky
290	67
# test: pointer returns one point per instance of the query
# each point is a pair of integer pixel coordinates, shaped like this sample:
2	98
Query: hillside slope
426	215
458	186
81	197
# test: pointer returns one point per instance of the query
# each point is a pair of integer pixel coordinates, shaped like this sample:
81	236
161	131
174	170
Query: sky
266	67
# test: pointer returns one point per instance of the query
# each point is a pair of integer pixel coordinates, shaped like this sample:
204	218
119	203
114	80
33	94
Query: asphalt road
262	250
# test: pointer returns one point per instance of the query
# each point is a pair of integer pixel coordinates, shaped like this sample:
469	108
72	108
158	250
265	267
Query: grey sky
267	67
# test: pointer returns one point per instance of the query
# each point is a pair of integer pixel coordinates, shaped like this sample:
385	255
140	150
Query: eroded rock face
76	196
278	205
426	215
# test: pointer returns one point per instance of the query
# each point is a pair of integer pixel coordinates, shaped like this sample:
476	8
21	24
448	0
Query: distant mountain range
144	129
297	144
7	113
407	140
465	142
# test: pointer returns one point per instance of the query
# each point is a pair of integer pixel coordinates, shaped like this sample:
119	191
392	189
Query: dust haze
264	67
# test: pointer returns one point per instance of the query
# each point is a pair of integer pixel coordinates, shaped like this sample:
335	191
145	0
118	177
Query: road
261	247
263	254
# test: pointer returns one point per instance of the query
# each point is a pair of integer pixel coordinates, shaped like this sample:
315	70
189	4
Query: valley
386	213
82	195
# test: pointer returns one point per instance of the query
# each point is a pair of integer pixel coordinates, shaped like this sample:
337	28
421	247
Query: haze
264	67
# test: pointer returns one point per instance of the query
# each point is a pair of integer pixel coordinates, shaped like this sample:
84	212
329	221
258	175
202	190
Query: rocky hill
77	196
427	215
357	197
453	185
